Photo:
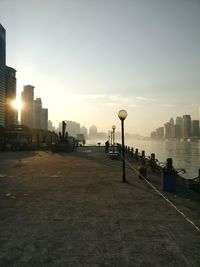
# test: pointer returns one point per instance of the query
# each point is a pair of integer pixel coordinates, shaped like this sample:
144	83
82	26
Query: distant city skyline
89	59
184	127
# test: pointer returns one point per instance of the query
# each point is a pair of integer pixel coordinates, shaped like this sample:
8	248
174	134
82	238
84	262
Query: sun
17	104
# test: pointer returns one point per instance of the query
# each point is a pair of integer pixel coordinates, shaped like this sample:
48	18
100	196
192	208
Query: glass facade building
10	93
2	74
27	102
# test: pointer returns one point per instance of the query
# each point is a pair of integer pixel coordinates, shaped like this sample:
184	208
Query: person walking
106	146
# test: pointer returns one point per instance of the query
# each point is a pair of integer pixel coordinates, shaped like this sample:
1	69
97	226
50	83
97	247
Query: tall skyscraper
160	133
168	128
40	115
44	124
27	110
171	121
2	74
187	126
179	127
195	128
37	114
10	94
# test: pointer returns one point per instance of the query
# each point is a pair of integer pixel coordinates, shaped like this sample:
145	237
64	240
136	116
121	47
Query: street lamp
122	114
111	138
113	127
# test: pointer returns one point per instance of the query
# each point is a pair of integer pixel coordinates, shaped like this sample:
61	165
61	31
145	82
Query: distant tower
195	128
93	132
179	127
10	94
50	126
73	128
84	131
160	133
2	74
168	130
27	110
179	120
187	126
171	121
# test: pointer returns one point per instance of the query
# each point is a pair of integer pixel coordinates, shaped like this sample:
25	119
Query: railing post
153	162
132	152
136	154
143	157
169	164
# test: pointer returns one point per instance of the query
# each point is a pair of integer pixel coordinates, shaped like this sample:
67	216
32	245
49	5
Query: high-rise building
93	132
10	96
84	131
195	128
50	126
44	121
27	110
171	121
37	114
2	74
187	126
153	135
179	120
73	128
160	133
179	128
169	130
40	115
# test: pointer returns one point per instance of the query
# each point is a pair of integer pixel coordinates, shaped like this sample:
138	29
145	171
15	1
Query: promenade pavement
72	210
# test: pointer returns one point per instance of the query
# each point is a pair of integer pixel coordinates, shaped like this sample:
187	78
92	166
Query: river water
185	155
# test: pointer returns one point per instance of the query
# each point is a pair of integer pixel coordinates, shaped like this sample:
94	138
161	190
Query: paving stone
72	210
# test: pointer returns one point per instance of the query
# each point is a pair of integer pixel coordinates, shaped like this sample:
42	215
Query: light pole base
124	180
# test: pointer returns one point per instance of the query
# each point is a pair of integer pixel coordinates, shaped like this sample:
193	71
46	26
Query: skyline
97	57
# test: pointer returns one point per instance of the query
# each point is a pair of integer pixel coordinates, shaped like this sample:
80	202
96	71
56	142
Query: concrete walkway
72	210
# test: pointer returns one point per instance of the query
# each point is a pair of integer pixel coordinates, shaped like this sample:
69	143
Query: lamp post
113	127
122	114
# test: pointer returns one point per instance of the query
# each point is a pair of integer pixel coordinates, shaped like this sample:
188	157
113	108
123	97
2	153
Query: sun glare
17	104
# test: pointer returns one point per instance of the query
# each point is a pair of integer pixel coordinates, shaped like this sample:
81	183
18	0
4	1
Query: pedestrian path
73	210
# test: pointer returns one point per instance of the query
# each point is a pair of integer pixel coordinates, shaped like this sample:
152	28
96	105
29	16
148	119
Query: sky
90	58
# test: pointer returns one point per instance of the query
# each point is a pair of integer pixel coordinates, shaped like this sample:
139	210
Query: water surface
184	154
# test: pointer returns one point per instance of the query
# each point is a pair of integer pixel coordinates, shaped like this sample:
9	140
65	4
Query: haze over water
184	154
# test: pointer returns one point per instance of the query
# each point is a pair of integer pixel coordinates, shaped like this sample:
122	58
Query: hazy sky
90	58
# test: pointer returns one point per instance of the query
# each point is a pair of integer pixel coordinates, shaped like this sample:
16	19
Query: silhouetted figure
107	146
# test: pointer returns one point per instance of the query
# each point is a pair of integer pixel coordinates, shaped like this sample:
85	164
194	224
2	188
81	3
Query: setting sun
17	104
